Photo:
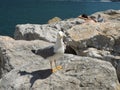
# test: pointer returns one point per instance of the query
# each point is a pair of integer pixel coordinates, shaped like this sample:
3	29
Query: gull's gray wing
45	52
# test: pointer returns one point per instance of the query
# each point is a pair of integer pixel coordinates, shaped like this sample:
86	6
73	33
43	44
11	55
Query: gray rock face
4	68
32	32
43	32
97	40
107	28
109	15
112	12
14	53
23	70
98	35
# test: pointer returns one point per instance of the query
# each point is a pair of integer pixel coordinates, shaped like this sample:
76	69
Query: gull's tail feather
34	51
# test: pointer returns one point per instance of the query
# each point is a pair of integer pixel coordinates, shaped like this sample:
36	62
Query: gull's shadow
40	74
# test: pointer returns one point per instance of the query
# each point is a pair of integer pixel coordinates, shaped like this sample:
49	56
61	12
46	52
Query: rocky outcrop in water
54	20
91	60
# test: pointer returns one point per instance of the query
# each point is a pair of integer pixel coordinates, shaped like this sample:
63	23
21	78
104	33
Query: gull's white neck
59	45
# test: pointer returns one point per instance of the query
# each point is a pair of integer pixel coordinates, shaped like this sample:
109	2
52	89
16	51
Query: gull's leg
55	63
58	67
51	64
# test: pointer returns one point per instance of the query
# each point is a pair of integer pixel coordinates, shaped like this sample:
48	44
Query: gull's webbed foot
59	67
54	70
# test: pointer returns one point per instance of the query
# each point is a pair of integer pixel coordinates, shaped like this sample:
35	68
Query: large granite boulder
15	53
97	40
109	15
98	35
35	32
46	32
20	69
78	73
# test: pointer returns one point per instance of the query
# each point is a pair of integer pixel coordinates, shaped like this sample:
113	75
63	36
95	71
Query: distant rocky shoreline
91	60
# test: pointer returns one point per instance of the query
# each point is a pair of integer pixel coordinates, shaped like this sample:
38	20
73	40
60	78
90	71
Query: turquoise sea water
14	12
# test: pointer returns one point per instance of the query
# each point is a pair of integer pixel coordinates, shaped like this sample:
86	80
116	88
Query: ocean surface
13	12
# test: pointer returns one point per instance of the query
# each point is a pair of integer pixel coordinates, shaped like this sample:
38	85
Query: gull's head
60	34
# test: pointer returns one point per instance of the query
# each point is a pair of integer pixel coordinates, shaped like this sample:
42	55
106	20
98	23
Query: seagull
52	53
